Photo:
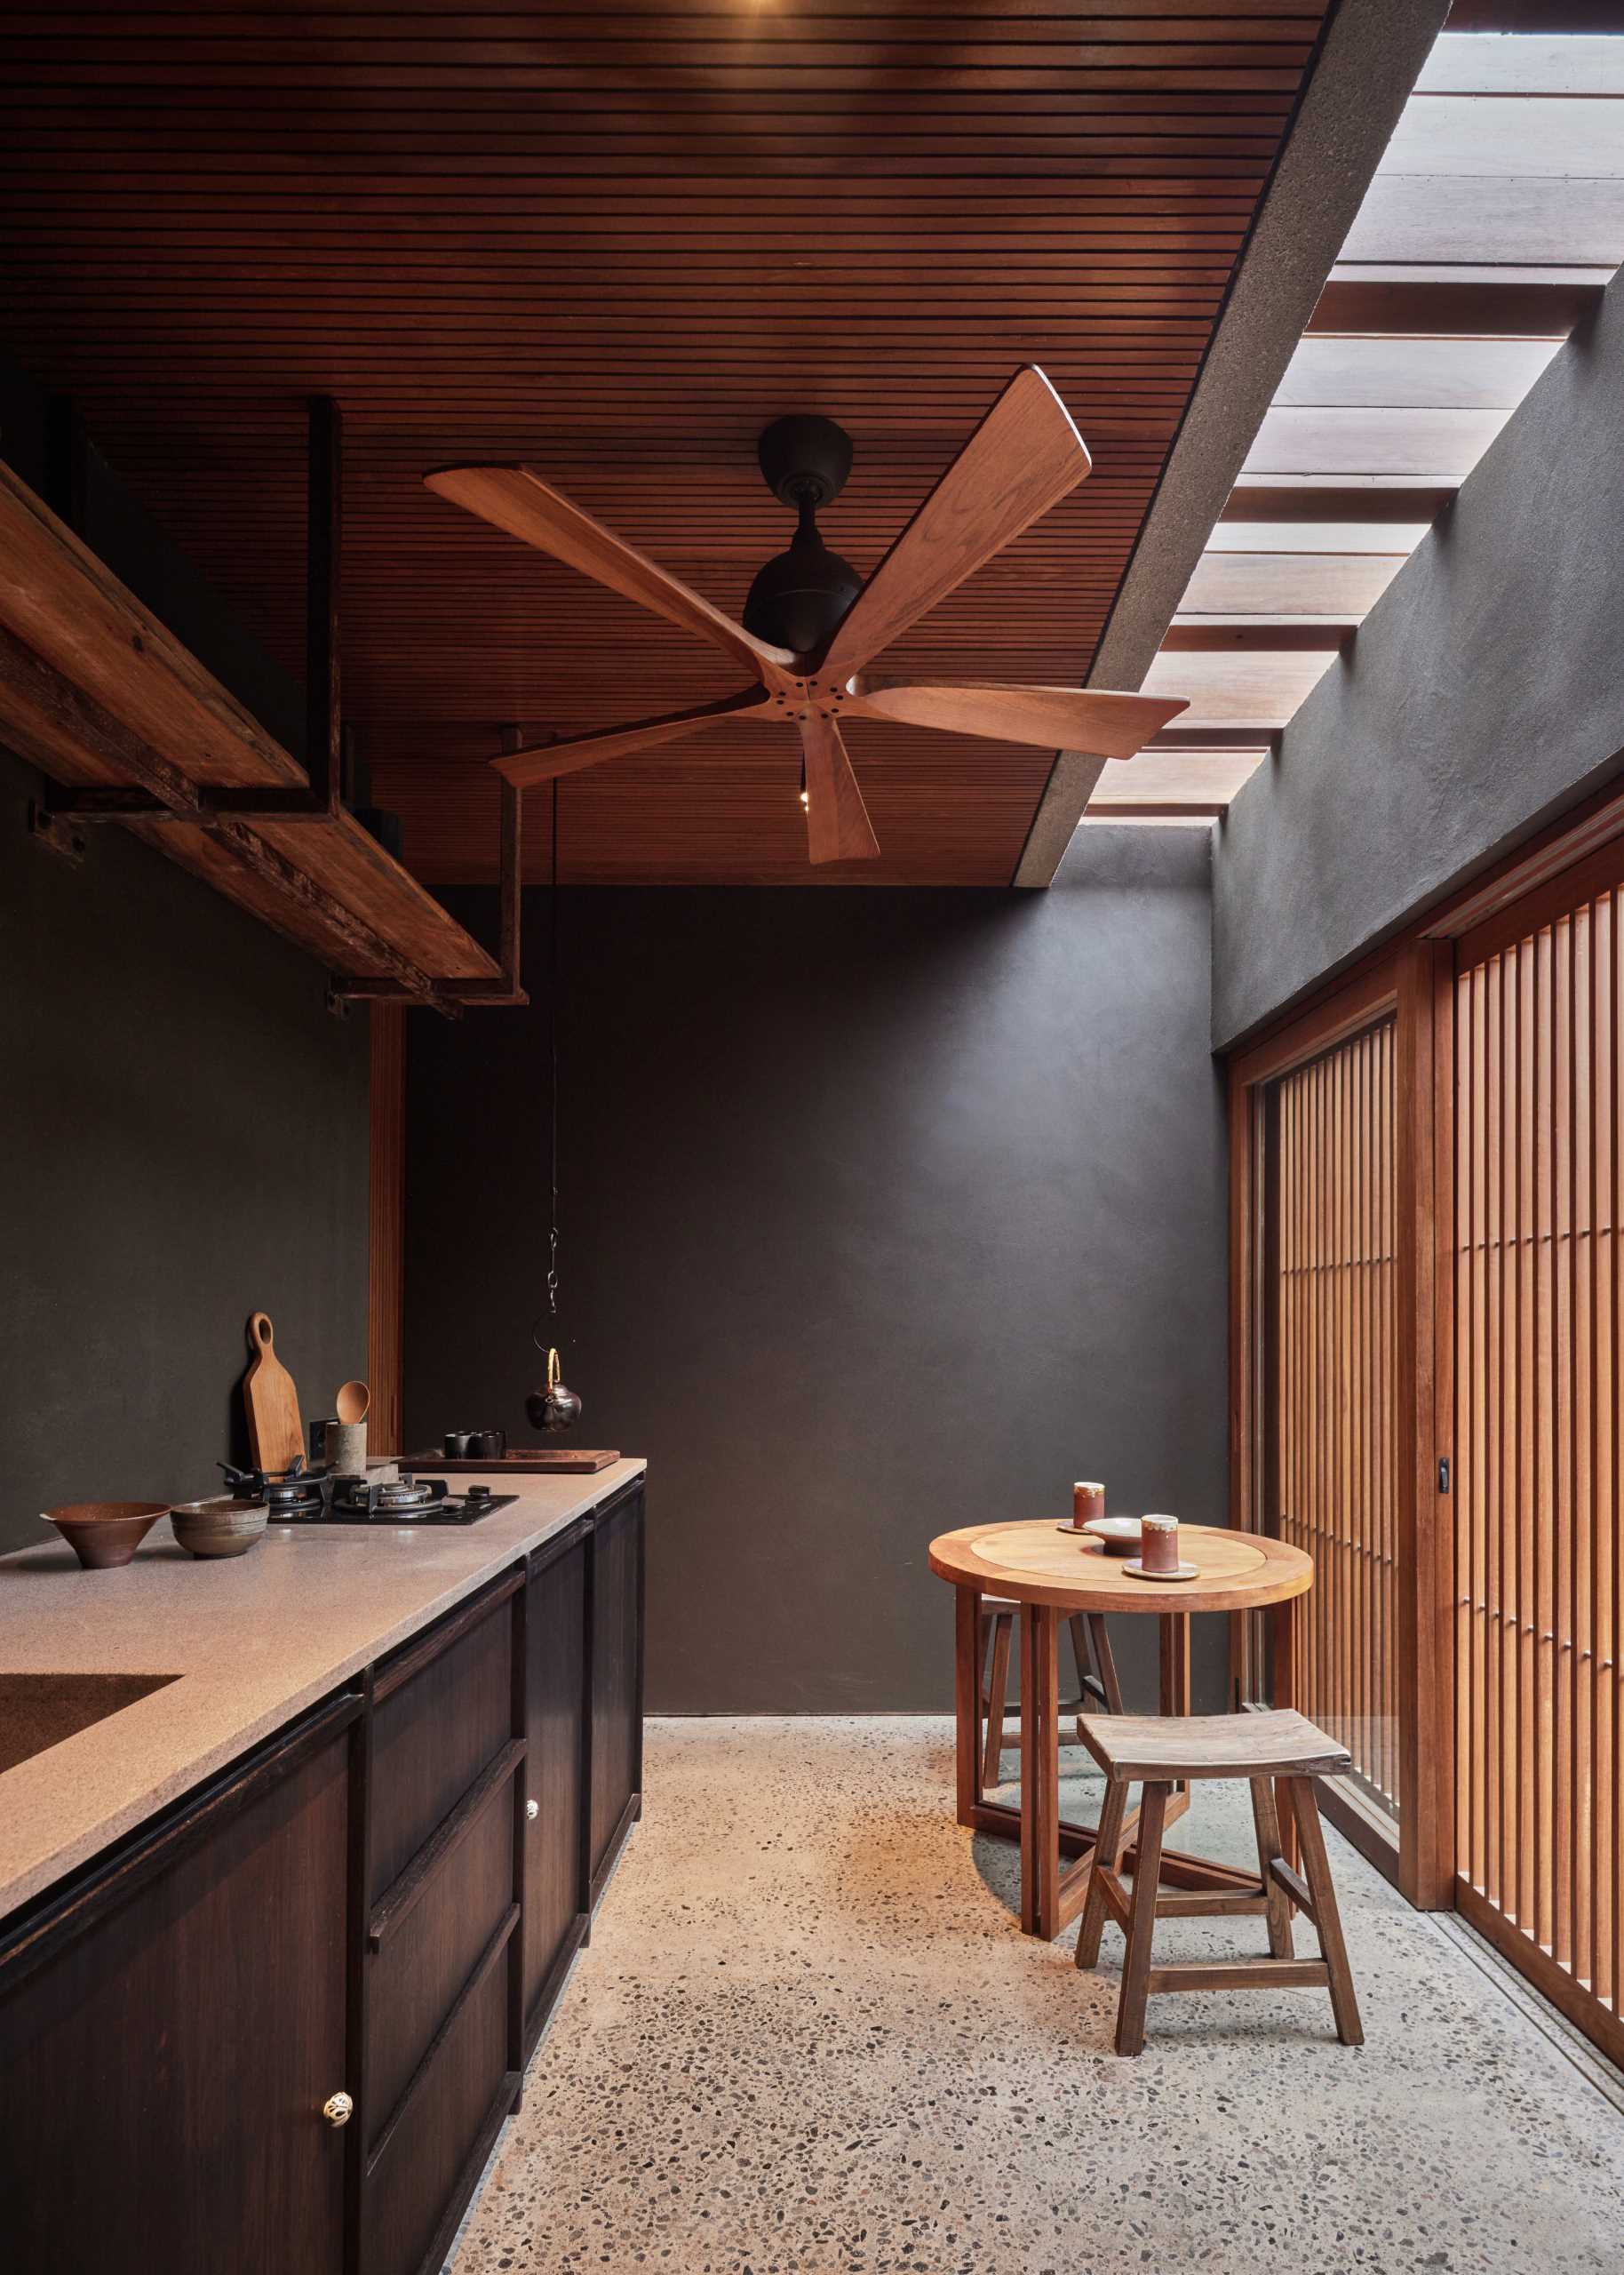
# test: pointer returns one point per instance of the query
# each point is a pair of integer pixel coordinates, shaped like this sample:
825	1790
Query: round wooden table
1051	1575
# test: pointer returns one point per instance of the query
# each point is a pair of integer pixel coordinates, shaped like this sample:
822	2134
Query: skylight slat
1523	63
1328	585
1390	371
1470	218
1331	442
1498	135
1255	687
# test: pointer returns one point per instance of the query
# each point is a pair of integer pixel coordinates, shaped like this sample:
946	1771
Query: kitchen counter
252	1640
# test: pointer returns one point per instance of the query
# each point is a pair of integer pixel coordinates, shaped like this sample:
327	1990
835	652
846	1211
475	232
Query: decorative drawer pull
338	2108
532	1809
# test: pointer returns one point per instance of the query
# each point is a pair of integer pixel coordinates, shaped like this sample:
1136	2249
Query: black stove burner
292	1492
408	1500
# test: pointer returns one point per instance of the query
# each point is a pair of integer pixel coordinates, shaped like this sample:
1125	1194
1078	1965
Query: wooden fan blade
515	499
838	826
1021	459
1063	718
546	761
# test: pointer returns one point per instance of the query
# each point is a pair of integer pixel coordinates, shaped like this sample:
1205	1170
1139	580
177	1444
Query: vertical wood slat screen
1334	1389
1539	1333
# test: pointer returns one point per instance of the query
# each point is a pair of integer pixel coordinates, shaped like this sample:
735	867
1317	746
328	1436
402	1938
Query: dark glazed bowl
102	1534
219	1528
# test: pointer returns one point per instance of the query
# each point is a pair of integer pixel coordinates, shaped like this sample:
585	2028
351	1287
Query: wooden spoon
352	1402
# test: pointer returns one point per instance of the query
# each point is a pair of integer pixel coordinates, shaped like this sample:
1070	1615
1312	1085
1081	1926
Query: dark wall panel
1482	694
183	1140
882	1212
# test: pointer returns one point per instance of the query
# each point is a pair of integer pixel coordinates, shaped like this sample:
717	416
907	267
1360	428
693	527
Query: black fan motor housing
799	597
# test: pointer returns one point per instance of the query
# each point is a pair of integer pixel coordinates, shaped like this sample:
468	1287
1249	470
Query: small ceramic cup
1158	1543
346	1449
1086	1501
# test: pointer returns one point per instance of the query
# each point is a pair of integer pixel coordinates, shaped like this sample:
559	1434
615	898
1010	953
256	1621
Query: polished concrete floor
809	2038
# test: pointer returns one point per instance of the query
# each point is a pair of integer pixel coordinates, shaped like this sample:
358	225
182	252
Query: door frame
1410	984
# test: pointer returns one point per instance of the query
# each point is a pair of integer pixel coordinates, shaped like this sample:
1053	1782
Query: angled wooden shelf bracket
132	728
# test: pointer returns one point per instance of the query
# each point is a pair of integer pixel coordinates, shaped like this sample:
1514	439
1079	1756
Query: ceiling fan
810	625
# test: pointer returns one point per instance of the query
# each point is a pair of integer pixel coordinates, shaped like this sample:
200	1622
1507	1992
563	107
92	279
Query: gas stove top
316	1496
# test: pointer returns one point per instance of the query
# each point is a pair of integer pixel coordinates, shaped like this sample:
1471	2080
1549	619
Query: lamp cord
552	1058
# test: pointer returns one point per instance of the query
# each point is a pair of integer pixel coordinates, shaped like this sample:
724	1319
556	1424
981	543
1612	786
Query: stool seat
1277	1743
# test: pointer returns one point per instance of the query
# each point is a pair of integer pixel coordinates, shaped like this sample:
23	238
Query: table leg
1030	1758
1176	1663
1046	1654
967	1698
1283	1622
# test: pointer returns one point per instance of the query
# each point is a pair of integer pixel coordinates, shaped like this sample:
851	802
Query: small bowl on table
103	1534
1117	1536
219	1528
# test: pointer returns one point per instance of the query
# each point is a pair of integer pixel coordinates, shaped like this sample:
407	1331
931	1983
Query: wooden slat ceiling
615	243
1496	218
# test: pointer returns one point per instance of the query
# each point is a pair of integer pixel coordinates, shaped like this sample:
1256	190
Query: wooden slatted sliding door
1332	1388
1539	1311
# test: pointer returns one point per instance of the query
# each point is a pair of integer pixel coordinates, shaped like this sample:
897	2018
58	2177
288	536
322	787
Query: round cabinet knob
532	1809
338	2108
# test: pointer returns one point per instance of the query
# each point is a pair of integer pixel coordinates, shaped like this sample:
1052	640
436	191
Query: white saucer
1182	1572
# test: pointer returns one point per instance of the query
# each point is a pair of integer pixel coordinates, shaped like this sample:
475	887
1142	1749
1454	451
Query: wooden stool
1096	1673
1280	1754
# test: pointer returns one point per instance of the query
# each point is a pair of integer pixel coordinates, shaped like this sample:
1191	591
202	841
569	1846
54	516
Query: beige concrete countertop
253	1640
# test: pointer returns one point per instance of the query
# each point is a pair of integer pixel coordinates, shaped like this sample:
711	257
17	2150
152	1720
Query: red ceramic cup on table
1086	1501
1158	1543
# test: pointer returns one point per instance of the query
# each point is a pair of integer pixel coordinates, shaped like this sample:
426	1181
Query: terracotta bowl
102	1534
219	1528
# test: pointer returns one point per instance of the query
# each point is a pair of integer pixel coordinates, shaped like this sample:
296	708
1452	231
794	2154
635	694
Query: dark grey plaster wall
883	1212
184	1139
1483	693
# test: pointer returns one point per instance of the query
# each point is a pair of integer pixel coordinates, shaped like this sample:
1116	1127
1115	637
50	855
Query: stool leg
1317	1872
1107	1857
997	1697
1141	1920
1266	1817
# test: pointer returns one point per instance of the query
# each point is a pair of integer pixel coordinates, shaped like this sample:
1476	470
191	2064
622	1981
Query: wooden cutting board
275	1434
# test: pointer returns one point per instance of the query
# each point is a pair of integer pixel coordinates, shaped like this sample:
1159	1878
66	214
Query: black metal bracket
55	832
508	989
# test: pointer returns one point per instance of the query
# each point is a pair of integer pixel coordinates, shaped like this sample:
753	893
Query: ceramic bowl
219	1528
1119	1536
102	1534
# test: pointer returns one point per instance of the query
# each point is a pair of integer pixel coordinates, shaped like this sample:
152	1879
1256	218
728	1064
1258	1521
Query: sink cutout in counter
39	1710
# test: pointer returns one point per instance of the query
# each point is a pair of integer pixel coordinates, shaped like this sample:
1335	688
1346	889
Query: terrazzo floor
810	2038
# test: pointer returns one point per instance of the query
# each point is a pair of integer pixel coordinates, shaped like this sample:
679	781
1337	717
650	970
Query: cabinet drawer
417	1976
419	2177
444	1708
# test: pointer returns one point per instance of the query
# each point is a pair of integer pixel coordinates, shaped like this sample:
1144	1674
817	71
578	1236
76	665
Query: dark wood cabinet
381	1902
617	1684
557	1893
173	2027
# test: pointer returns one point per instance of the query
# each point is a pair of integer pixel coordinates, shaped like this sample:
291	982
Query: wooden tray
519	1461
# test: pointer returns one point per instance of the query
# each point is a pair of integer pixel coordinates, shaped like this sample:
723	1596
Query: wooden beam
1224	637
1465	307
1488	217
1358	371
1275	497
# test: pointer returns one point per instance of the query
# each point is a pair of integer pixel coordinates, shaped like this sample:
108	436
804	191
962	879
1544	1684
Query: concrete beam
1368	61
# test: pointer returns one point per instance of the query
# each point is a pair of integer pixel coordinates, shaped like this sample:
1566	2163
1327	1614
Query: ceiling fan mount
804	456
825	622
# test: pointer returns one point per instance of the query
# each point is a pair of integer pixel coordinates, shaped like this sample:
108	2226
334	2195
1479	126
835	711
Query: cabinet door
617	1679
171	2027
556	1897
